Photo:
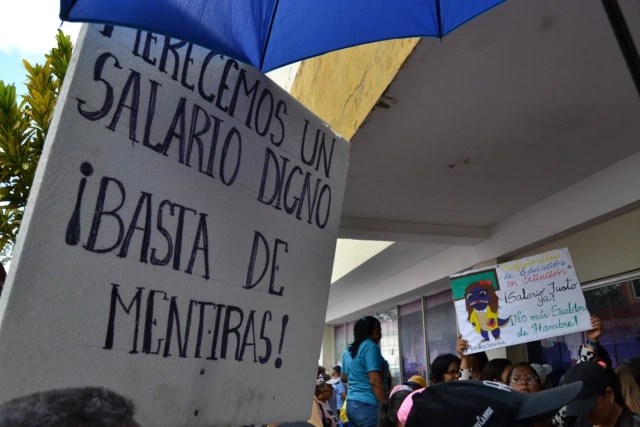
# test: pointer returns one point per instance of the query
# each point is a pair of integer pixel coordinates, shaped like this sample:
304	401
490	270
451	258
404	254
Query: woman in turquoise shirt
363	364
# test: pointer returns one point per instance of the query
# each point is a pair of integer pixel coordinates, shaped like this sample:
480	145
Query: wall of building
602	250
342	87
326	355
603	194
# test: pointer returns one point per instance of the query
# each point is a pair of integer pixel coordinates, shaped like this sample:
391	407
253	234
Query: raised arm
465	363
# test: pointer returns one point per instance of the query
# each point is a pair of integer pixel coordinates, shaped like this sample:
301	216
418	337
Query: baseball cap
542	370
416	381
595	378
484	403
399	387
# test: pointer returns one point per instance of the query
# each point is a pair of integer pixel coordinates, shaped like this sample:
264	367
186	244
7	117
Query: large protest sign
519	301
178	242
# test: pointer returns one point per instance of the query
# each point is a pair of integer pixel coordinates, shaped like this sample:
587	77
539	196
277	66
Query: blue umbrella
271	33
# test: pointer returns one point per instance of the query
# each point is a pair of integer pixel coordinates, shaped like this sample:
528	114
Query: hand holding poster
520	301
178	241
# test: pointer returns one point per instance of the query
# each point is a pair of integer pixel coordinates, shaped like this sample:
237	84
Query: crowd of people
471	390
462	390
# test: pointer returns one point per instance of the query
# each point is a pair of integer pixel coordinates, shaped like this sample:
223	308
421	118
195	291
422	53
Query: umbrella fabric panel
456	12
231	27
304	28
271	33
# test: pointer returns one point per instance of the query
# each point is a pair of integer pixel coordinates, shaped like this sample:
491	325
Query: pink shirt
405	408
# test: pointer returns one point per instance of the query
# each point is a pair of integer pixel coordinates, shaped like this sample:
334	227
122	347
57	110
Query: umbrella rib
439	17
64	14
266	42
624	38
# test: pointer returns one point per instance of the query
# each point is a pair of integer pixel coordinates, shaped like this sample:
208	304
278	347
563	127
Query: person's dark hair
440	366
321	371
362	330
388	411
603	354
322	387
494	369
338	369
71	407
3	276
633	365
478	362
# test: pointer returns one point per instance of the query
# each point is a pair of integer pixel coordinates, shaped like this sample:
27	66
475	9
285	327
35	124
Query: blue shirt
338	389
346	361
367	359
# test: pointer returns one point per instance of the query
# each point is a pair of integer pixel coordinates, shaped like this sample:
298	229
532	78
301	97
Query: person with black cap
600	403
485	404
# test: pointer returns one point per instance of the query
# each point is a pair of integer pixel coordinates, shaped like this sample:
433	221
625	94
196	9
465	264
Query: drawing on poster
482	302
519	301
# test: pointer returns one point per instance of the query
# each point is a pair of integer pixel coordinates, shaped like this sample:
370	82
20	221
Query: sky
28	31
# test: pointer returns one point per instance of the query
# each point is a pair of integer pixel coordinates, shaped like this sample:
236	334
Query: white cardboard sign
520	301
179	239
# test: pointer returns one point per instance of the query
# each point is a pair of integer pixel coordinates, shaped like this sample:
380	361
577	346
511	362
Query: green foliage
23	129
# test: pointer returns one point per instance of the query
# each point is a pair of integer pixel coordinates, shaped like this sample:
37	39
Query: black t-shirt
626	419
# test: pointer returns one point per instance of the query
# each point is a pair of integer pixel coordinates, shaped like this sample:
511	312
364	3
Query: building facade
506	139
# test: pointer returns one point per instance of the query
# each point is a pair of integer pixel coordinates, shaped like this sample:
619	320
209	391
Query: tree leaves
23	129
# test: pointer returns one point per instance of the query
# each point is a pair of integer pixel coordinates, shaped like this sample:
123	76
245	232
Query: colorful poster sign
179	239
520	301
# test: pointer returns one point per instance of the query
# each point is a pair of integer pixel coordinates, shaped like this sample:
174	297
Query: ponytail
362	330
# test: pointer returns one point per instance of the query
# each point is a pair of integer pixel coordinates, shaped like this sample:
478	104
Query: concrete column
326	353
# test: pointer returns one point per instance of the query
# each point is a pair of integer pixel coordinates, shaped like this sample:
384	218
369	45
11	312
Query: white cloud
29	26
